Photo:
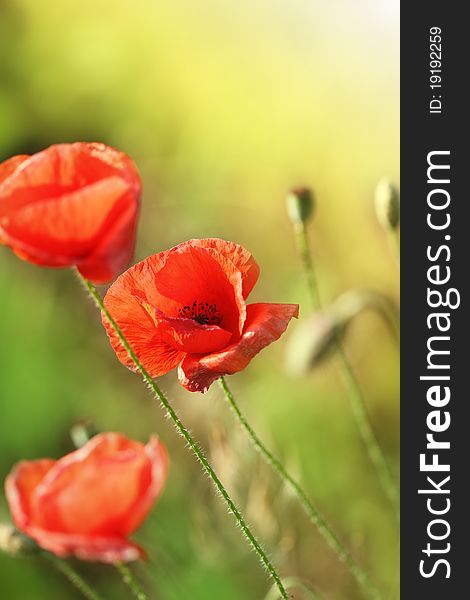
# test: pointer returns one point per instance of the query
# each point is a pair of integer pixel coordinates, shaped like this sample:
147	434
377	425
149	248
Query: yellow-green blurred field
224	105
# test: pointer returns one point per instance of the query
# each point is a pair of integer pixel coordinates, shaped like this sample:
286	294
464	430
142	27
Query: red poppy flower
71	205
87	503
186	307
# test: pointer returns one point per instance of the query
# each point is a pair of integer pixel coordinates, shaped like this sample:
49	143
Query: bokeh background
224	105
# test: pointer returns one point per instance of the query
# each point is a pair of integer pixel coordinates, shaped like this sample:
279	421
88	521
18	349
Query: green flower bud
387	204
300	204
82	431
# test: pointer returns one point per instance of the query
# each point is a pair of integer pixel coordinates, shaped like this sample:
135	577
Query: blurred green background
224	105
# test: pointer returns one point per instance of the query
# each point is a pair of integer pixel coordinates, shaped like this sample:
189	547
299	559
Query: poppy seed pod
300	204
387	204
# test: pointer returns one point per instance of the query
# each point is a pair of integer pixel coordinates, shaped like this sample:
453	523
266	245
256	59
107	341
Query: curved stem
390	315
313	513
395	243
297	583
303	246
131	581
75	579
197	451
367	433
357	398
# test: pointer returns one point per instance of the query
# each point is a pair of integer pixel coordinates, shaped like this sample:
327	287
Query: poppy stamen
201	312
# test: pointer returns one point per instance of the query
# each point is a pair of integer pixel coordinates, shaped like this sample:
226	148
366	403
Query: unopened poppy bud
14	543
311	342
300	204
387	204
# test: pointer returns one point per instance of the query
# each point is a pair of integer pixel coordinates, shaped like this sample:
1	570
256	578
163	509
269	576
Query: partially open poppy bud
300	205
71	205
387	204
13	542
87	503
311	342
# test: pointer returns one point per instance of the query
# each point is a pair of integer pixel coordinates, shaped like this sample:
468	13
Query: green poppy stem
390	315
295	582
193	445
75	579
374	450
313	513
303	248
395	242
356	395
131	581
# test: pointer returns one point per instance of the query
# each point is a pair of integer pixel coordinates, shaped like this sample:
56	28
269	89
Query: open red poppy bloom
71	205
87	503
186	307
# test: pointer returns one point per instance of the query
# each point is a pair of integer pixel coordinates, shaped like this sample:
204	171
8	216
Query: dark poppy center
201	312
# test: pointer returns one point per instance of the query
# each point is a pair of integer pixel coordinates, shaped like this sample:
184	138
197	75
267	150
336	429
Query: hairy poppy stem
357	397
193	445
313	513
367	433
131	581
75	579
303	247
396	244
295	582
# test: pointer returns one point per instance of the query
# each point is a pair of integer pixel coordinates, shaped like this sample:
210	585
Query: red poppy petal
154	353
265	323
9	166
138	327
69	205
20	485
238	255
103	549
193	338
115	249
158	458
186	334
163	284
137	285
95	489
56	232
191	274
61	169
